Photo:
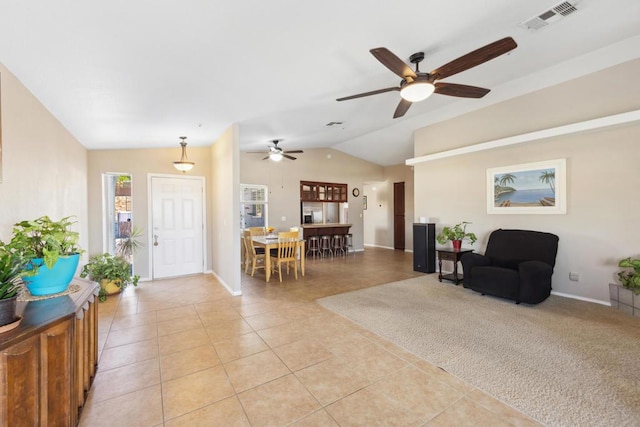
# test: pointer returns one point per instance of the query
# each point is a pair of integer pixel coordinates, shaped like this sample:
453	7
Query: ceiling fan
276	153
417	86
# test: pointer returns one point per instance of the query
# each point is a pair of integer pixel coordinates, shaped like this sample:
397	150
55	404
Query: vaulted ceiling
139	74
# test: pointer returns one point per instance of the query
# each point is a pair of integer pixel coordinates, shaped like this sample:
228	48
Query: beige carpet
562	362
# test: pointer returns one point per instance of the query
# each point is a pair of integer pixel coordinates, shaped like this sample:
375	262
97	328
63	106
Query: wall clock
355	192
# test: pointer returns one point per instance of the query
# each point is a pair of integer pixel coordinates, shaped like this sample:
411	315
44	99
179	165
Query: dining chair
257	231
246	254
287	251
257	260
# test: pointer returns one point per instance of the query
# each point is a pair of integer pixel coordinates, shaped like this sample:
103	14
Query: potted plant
626	297
112	272
52	251
630	279
456	234
11	266
129	245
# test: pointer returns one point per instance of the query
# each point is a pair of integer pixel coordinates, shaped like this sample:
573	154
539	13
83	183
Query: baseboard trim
226	286
595	301
378	246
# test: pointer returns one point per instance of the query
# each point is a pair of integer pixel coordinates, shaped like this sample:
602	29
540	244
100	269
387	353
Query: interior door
178	227
398	215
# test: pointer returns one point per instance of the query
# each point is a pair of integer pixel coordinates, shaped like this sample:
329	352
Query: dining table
271	242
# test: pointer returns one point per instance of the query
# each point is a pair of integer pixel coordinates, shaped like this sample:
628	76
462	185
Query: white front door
178	226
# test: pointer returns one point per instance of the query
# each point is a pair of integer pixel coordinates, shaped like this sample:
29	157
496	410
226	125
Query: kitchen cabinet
311	191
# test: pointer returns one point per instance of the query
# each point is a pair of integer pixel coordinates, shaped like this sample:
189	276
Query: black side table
454	256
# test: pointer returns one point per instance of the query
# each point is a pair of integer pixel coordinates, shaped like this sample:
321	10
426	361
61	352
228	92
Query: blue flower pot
51	281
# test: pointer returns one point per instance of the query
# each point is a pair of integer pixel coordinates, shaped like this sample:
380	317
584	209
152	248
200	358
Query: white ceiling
139	74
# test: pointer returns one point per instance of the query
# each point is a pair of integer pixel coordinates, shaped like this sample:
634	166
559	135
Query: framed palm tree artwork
528	188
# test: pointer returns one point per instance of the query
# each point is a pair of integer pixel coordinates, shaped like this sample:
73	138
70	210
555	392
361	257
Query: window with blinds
253	205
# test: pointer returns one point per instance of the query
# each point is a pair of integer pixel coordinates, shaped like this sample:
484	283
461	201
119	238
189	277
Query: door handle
155	240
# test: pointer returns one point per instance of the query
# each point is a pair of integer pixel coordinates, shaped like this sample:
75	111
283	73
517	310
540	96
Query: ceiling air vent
550	16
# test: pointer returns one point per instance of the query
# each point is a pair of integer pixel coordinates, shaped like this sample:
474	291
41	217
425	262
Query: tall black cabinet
424	247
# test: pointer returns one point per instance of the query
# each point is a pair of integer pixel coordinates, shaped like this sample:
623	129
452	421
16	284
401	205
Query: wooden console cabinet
47	364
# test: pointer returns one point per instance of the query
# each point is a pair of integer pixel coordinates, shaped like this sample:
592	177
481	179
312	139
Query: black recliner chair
517	265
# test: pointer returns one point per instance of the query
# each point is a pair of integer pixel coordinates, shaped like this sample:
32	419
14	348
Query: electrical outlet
284	218
574	276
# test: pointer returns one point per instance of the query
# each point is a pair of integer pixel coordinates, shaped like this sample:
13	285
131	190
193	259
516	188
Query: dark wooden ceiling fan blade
462	91
265	158
288	157
293	151
472	59
402	108
392	62
373	92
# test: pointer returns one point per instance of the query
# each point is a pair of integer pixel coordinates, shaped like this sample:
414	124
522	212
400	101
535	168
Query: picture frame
364	203
528	188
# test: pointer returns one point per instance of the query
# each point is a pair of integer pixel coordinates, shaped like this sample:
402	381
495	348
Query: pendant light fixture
184	164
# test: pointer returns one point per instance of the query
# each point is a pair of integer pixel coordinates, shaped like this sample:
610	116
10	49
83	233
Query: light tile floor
184	352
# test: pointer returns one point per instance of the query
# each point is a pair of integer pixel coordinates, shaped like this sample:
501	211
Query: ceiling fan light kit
417	91
417	86
276	153
184	165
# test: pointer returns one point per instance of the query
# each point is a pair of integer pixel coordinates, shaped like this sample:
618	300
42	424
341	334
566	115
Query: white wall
139	164
602	174
225	217
44	166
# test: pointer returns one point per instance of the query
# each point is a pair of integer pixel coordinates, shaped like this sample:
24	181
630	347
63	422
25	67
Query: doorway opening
117	212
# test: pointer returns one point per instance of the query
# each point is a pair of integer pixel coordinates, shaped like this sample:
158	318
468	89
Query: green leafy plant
457	232
630	279
109	268
46	239
128	246
11	265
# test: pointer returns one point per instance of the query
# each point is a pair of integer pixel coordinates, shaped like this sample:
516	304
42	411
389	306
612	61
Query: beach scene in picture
530	188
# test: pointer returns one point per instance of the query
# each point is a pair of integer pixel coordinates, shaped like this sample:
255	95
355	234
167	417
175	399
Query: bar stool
347	242
336	244
325	245
314	246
